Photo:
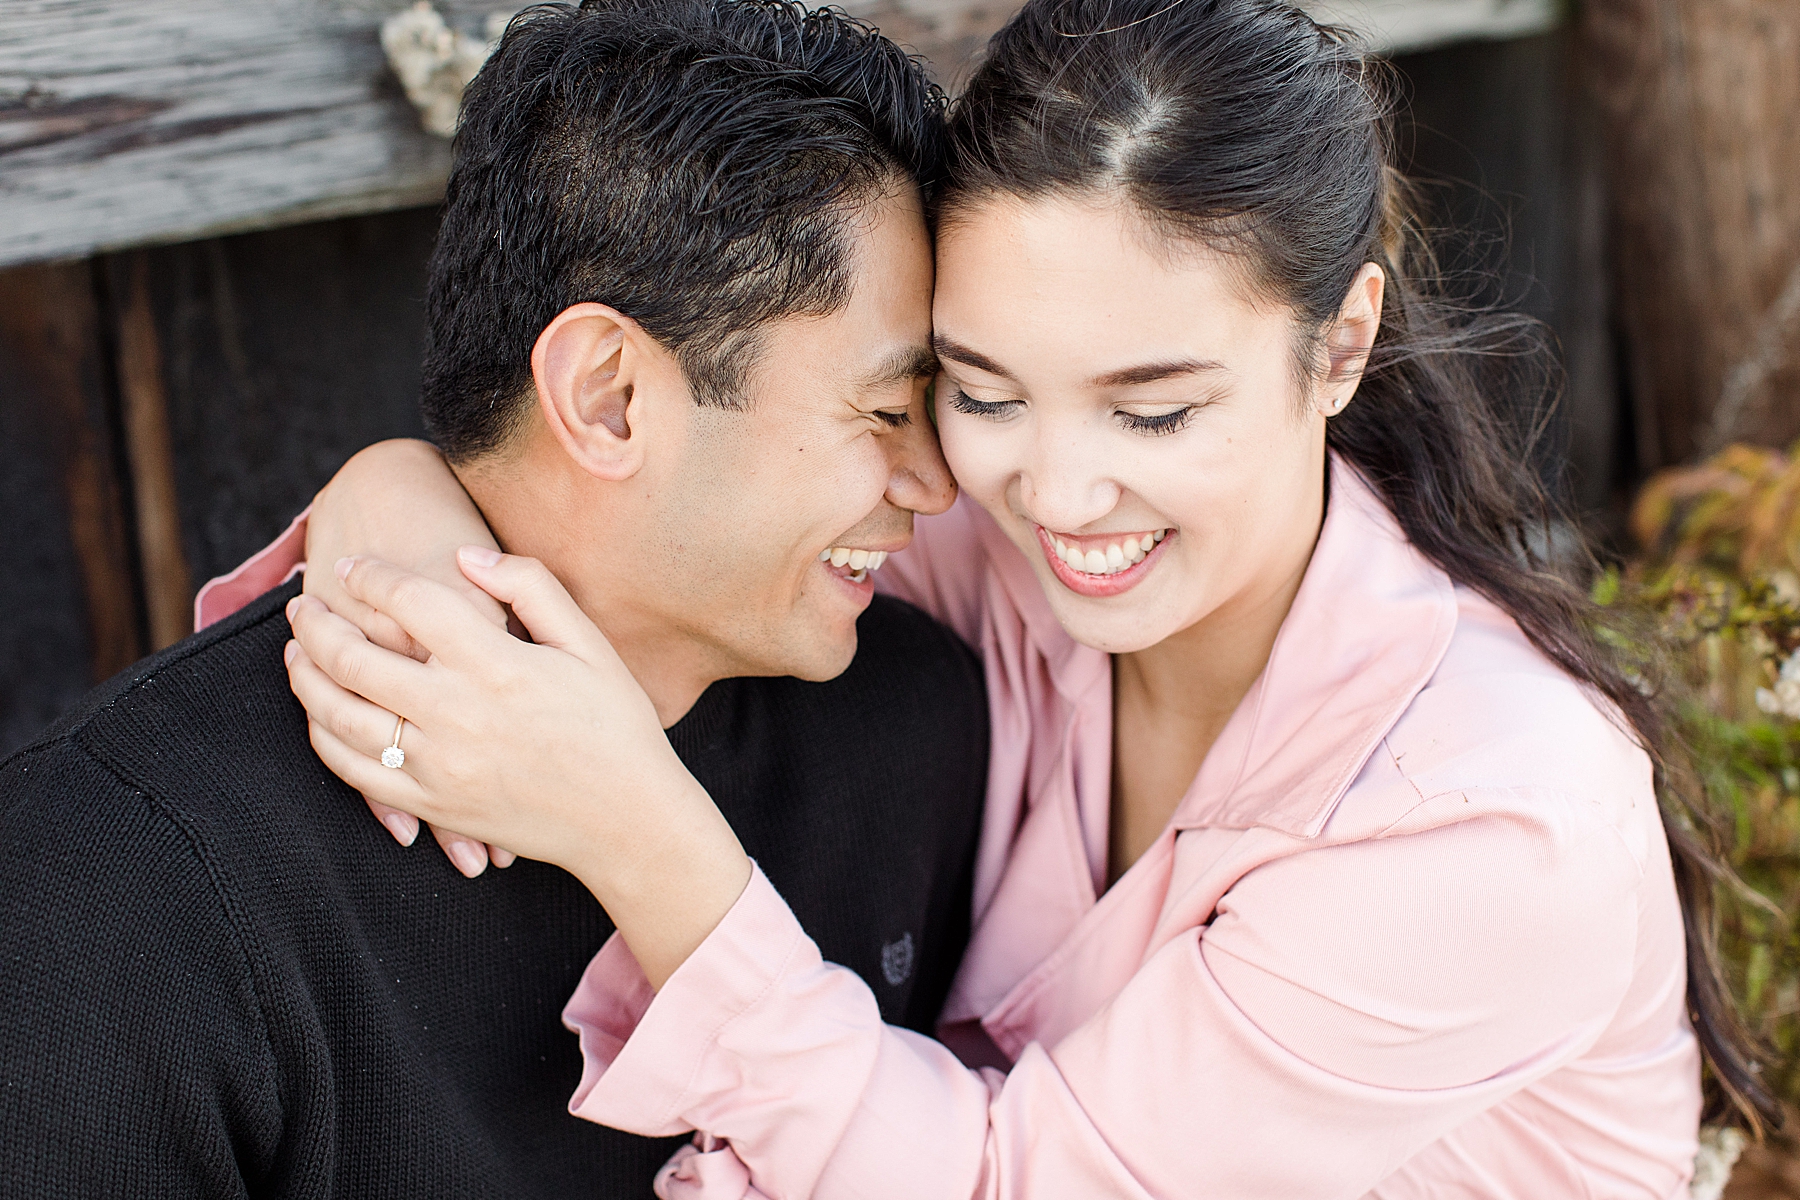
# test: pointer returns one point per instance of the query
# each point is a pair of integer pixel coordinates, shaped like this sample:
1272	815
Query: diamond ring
393	756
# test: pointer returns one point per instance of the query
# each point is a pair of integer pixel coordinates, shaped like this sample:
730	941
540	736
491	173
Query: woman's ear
589	365
1351	338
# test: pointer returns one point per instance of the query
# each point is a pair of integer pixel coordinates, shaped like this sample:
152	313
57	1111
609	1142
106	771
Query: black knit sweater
220	977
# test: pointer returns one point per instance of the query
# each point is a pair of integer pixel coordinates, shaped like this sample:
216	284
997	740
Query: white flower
1784	698
1787	586
1719	1150
434	62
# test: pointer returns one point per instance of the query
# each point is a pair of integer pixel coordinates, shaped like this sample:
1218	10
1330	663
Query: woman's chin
1115	625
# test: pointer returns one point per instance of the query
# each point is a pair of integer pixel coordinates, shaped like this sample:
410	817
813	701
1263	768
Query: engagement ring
394	756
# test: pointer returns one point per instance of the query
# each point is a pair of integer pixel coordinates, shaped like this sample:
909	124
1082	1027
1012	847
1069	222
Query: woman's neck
1171	701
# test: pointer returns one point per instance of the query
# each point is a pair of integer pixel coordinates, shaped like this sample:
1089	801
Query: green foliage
1713	607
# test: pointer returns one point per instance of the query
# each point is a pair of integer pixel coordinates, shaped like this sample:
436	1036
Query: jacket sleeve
269	567
134	1060
1345	1008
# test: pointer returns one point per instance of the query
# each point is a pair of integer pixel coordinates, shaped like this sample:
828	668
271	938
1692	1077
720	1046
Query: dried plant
1712	606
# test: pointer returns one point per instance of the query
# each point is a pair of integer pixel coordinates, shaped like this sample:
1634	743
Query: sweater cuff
268	568
644	1052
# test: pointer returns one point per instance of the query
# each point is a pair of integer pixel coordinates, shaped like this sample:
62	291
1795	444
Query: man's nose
918	477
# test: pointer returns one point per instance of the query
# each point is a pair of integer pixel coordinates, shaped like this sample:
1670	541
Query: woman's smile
1104	564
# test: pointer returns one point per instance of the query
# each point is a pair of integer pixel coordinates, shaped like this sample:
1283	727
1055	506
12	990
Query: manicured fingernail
479	556
343	567
403	827
291	606
289	651
466	860
501	858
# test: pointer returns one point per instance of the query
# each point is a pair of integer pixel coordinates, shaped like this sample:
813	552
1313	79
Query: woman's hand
550	748
398	500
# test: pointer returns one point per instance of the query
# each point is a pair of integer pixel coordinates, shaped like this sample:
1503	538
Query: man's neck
526	514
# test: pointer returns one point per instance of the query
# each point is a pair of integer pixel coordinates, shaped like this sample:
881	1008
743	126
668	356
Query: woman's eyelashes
962	402
1156	423
1151	424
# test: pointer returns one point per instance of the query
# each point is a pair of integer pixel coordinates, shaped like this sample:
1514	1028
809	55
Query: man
678	320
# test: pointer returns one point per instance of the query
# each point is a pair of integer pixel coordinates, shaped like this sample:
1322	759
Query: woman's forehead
1021	282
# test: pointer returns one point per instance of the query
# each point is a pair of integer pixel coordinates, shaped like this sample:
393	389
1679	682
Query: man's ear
1351	338
590	365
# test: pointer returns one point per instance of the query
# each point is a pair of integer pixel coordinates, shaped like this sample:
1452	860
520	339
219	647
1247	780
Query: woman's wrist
398	501
669	883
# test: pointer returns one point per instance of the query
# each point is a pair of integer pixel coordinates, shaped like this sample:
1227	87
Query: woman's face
1132	418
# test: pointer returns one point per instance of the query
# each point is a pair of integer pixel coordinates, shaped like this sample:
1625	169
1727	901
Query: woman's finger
355	723
437	617
404	826
394	789
359	723
377	626
539	600
465	854
339	649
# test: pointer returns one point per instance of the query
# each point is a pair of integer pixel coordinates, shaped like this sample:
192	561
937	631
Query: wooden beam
130	122
1407	26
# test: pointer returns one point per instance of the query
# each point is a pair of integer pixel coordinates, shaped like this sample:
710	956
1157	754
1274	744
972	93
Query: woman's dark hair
1243	126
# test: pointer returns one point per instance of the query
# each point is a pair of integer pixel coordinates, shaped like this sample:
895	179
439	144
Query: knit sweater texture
220	977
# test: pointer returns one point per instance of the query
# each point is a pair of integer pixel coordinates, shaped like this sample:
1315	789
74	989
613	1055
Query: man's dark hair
695	164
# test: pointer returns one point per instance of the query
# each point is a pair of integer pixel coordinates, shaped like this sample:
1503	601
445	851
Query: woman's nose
1064	489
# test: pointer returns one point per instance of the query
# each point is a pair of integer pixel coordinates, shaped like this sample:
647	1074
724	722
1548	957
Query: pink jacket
1411	933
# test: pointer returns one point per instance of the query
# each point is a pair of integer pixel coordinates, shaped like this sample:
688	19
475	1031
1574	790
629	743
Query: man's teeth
1127	552
859	561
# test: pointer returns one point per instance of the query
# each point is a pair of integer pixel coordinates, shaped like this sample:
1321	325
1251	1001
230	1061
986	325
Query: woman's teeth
1127	552
861	562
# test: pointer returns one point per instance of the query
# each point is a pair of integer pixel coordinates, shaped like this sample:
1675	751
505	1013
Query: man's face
833	451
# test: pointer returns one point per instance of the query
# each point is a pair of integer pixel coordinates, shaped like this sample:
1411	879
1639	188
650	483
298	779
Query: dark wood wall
1506	142
272	358
166	411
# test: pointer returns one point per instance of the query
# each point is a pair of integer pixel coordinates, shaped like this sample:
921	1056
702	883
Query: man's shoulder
108	816
210	714
233	646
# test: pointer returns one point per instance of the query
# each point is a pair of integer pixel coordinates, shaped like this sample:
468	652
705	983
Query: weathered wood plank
1408	26
144	407
1503	138
128	122
123	123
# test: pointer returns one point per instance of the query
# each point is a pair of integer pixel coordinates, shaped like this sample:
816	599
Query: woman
1322	855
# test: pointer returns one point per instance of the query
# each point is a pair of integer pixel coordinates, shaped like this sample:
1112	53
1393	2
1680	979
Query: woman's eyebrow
1123	377
1151	372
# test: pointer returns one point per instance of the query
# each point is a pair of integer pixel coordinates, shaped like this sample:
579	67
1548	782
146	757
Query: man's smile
853	563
